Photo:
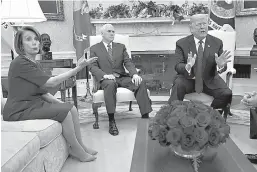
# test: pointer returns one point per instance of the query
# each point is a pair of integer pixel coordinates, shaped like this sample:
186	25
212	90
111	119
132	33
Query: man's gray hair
193	18
103	28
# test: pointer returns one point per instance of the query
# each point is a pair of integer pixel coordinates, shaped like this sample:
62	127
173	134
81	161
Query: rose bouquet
189	128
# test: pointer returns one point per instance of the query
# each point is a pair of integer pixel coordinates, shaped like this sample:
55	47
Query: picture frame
246	8
53	9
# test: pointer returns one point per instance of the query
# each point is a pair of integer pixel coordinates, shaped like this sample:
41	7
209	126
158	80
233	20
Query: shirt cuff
188	70
219	69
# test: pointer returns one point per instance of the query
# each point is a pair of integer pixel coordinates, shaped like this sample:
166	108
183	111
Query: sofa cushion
18	150
46	129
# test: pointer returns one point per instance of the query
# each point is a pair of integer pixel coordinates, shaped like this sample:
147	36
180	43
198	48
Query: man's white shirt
105	44
197	46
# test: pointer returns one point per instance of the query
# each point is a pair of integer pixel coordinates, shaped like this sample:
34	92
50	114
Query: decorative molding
241	10
145	27
243	51
59	16
137	20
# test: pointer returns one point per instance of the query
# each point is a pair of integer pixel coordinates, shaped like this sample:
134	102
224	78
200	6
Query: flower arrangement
189	128
118	11
97	13
142	9
198	9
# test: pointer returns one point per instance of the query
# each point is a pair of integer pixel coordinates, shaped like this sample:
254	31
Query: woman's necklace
34	61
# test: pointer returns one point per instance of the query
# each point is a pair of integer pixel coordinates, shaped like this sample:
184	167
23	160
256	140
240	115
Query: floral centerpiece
189	129
147	9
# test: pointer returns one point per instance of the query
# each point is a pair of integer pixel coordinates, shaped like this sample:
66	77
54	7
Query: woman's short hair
18	45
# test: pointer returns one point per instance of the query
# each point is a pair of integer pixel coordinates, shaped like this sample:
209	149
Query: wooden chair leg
226	112
74	96
63	95
230	113
130	106
95	107
68	92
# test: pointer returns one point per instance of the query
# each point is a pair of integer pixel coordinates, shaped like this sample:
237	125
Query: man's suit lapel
105	52
192	46
206	51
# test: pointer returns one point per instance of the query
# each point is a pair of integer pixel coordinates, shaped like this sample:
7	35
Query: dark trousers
253	123
183	86
110	90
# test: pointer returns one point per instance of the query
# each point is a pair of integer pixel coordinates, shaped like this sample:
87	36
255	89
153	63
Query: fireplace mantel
148	35
137	20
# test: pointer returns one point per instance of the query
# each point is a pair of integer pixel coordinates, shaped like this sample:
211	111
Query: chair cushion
204	98
46	129
123	95
18	150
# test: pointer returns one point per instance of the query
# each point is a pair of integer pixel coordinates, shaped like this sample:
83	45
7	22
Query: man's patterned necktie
109	50
198	74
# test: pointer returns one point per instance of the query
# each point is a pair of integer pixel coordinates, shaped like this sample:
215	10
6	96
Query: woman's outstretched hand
85	62
250	99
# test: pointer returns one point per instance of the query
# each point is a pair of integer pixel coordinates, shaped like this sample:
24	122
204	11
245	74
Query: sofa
32	145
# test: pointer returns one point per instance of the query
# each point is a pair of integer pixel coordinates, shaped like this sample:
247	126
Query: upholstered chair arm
228	75
95	84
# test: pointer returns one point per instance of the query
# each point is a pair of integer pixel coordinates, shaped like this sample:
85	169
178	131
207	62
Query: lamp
22	11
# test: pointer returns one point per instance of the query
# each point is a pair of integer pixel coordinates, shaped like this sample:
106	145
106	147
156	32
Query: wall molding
243	51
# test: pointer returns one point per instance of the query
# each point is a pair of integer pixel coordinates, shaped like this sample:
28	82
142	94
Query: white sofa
32	146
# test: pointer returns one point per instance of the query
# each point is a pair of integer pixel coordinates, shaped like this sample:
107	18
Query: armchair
123	94
229	40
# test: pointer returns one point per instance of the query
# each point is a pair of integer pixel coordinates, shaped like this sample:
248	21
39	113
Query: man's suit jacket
106	65
210	75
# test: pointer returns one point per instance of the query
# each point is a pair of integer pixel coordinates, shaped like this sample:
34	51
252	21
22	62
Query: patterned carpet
241	113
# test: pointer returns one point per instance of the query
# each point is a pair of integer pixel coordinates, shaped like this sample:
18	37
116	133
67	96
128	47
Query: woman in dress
29	98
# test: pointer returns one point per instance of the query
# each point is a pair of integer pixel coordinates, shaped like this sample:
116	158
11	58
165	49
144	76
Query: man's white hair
103	28
197	17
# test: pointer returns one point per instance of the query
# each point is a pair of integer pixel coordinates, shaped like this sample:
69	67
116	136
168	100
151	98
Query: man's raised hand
191	59
136	79
223	59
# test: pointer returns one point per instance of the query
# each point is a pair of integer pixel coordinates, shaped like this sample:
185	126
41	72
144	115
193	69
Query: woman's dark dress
24	101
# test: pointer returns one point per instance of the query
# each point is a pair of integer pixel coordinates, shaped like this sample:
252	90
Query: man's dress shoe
113	130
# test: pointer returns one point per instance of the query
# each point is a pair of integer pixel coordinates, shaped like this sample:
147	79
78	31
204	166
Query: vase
209	153
186	154
205	154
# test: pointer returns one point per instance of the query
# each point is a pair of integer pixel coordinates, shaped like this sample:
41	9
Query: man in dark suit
109	71
200	59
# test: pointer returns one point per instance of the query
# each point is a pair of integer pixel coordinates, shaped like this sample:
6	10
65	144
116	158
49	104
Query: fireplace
157	70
